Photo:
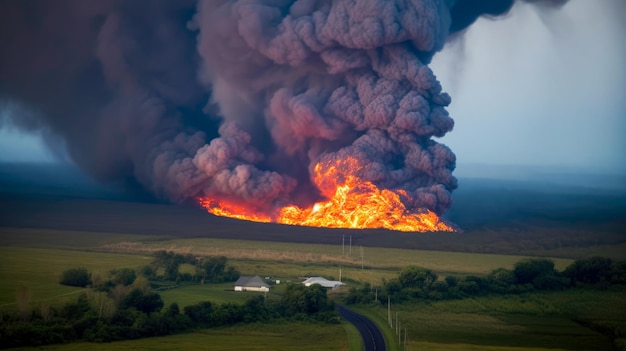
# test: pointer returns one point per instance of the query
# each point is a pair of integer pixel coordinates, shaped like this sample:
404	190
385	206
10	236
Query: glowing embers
227	209
352	203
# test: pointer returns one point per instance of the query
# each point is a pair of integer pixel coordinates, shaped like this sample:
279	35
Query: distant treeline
125	307
417	283
164	267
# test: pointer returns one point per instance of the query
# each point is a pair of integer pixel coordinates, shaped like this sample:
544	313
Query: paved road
372	337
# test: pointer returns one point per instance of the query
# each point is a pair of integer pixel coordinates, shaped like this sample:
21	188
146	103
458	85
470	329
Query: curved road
372	337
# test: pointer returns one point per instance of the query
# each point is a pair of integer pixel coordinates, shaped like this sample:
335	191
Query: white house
323	282
249	283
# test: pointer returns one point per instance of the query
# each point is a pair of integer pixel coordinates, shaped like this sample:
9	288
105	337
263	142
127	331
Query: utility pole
405	332
399	332
397	323
343	244
389	312
350	245
361	257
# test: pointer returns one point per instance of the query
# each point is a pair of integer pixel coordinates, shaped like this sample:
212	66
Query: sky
17	146
540	89
532	88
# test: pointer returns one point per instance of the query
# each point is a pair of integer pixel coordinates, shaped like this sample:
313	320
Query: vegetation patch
254	337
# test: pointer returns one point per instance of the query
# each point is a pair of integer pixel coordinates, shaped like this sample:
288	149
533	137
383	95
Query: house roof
323	282
251	281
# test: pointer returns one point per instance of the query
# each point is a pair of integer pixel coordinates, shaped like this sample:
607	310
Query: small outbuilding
250	283
331	284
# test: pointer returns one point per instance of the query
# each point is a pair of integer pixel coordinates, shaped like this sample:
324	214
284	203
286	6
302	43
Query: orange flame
352	203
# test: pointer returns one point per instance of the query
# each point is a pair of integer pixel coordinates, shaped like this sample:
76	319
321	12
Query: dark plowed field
496	217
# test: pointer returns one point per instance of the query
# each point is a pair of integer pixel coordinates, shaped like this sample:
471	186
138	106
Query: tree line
164	267
124	306
417	283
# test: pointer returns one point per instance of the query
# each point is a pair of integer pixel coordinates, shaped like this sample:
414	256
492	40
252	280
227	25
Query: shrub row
415	283
136	312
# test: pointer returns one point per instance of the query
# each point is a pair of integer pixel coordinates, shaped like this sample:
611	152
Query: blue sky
533	88
527	93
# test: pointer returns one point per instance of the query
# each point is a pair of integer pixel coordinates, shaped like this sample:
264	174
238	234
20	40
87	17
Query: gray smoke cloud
239	100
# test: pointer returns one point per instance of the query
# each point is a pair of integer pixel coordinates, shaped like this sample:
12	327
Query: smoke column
239	100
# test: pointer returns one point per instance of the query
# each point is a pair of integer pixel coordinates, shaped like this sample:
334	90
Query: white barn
323	282
249	283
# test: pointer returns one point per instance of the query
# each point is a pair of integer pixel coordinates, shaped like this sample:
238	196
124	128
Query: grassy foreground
537	321
39	269
540	321
291	336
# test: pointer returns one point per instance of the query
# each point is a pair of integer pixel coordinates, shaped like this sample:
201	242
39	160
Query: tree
501	280
76	277
146	303
592	270
539	273
148	272
255	310
170	262
527	270
304	299
213	269
618	273
124	276
200	312
418	279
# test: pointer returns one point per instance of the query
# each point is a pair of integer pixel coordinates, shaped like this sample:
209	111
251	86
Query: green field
373	257
292	336
39	269
190	294
35	258
516	322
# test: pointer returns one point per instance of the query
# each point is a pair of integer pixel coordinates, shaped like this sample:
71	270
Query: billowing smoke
240	99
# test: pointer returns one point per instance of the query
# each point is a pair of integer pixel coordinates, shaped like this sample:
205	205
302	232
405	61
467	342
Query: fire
352	203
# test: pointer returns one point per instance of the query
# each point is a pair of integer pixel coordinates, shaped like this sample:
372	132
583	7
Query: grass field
219	293
517	322
39	269
63	239
291	336
34	258
373	257
262	251
354	337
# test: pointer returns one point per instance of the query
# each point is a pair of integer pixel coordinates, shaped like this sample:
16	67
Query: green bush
124	276
594	270
80	277
144	302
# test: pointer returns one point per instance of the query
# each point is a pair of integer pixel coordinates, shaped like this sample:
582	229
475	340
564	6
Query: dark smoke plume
240	99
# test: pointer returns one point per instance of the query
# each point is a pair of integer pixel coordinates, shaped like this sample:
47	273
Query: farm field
189	294
373	257
38	268
280	252
527	322
534	321
291	336
40	236
497	217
